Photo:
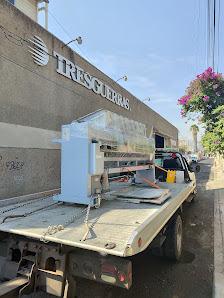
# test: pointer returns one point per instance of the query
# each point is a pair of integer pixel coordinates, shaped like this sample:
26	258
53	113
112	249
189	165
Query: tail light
121	277
140	242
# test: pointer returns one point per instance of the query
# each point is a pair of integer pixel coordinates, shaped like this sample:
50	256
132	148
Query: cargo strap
159	167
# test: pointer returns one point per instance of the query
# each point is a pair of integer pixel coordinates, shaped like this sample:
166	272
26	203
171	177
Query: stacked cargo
117	133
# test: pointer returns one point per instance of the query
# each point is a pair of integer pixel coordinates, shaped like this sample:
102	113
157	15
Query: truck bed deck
118	223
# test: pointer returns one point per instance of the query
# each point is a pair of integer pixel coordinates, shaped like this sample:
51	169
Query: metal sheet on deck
157	201
115	221
140	193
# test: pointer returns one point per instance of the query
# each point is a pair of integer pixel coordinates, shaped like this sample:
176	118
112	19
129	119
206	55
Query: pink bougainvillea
206	97
203	95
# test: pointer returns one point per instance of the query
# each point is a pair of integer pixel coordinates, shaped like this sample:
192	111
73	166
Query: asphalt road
158	277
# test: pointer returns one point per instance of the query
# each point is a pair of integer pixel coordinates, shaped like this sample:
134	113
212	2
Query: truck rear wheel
174	237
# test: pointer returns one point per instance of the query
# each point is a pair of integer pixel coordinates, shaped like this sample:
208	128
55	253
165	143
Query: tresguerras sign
68	69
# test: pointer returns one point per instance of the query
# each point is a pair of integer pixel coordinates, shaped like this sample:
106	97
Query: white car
194	158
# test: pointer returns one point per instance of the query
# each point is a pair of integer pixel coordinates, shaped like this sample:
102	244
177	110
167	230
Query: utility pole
213	52
208	33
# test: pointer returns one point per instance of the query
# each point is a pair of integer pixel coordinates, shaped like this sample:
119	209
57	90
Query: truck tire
174	237
193	200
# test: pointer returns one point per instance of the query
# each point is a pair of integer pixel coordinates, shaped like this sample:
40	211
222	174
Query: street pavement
192	275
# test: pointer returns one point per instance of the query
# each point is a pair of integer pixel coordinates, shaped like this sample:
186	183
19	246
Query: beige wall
36	101
29	7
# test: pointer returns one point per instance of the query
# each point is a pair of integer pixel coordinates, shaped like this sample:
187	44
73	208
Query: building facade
185	146
44	86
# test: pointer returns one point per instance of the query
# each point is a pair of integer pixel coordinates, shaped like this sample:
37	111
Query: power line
18	40
211	30
198	35
218	38
68	89
213	52
68	34
208	33
193	34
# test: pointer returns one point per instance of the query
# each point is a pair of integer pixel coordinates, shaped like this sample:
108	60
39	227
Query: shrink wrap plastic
115	132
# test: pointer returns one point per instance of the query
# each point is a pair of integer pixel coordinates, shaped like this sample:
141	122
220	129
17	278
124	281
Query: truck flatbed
115	222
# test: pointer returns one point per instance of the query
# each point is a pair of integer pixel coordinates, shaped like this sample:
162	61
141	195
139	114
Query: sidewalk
218	277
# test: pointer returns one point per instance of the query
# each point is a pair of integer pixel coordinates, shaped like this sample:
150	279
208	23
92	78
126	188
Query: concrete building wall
36	101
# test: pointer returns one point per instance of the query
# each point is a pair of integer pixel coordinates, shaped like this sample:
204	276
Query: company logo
39	51
75	73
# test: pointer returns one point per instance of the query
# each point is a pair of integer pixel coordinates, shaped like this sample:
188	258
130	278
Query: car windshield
168	162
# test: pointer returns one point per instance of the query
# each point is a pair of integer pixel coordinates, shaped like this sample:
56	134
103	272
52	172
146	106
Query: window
12	1
159	142
172	163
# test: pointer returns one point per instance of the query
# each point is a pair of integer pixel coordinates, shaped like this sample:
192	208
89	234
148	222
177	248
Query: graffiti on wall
18	181
11	166
14	165
28	172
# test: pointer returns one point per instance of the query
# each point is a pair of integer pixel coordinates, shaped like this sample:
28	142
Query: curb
218	275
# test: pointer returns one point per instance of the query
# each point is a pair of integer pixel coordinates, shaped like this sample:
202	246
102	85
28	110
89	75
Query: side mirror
197	168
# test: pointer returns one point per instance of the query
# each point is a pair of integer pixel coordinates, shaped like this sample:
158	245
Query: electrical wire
213	48
218	38
8	34
15	36
211	30
198	35
193	35
208	33
96	104
67	33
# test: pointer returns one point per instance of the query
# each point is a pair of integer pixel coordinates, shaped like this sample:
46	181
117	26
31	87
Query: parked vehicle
188	158
45	243
194	158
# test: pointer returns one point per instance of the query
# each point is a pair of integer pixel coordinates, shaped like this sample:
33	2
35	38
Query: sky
159	45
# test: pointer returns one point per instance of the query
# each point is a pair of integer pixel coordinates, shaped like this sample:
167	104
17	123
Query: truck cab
174	161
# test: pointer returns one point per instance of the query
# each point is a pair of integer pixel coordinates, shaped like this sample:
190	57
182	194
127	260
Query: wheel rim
179	238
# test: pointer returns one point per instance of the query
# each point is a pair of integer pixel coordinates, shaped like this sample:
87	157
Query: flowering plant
205	95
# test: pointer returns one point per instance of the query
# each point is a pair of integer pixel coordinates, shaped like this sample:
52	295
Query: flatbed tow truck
48	239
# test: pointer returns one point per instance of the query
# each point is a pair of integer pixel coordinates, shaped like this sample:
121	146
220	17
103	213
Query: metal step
11	288
30	258
24	272
49	272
